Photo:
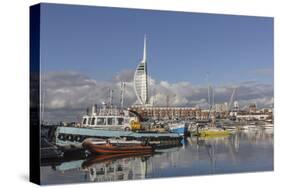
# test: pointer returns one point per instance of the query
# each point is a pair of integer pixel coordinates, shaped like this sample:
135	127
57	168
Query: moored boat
213	131
178	127
249	127
110	147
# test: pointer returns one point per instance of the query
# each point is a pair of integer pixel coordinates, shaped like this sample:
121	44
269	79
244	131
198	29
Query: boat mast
213	107
208	90
209	97
110	100
213	89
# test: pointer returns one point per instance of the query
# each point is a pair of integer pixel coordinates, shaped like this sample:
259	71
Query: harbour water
244	151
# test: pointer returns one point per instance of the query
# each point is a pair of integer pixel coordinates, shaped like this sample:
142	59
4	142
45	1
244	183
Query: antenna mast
213	89
110	97
122	95
209	97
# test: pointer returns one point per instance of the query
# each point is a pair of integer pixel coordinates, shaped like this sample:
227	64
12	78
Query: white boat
249	127
231	129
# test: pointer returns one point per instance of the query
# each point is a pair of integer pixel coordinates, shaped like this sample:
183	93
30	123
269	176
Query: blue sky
101	42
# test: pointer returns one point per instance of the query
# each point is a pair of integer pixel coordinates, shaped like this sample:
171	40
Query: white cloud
68	94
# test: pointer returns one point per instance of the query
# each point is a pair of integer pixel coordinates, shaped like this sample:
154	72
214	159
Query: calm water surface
240	152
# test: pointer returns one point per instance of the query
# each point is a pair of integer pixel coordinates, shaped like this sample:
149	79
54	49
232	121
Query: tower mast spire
144	49
141	78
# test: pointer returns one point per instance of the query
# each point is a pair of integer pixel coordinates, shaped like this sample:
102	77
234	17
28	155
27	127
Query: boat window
101	121
84	121
110	121
126	120
89	121
120	121
93	121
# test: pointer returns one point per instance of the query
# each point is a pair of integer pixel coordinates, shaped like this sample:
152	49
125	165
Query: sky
97	47
89	39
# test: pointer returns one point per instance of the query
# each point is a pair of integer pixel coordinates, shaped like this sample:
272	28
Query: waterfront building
265	114
164	112
252	108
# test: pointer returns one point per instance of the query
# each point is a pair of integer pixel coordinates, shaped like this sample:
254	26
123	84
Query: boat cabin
108	122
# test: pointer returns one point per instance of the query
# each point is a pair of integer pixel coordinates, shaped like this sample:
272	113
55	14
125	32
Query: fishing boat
108	122
111	147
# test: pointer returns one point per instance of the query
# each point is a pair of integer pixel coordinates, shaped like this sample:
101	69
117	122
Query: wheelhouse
107	121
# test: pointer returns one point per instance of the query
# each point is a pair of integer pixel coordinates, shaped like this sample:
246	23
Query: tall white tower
140	79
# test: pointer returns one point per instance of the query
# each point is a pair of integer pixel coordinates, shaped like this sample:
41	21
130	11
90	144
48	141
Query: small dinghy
117	147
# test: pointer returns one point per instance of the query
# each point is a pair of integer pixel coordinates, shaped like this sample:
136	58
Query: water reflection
116	167
239	152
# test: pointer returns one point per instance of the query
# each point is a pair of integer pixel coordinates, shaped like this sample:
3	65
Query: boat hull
117	149
179	130
214	133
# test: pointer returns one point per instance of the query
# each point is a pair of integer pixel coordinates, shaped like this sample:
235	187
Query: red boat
117	148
